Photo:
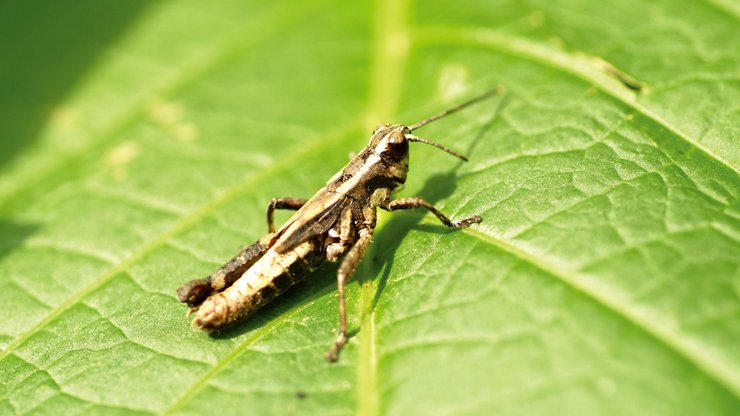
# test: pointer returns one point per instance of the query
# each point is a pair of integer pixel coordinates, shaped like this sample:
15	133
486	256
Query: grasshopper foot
333	354
466	222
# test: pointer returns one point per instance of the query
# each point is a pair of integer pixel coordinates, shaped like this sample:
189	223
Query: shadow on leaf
45	54
13	234
435	189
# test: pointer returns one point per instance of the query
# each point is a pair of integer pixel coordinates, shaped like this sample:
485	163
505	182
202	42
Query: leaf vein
568	63
259	333
714	368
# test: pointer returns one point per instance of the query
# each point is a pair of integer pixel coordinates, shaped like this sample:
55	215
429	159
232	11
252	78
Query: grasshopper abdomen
270	276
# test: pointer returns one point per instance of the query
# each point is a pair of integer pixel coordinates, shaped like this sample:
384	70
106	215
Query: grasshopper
336	223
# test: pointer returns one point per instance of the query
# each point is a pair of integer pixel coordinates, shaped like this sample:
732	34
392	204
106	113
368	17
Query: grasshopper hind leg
282	203
194	292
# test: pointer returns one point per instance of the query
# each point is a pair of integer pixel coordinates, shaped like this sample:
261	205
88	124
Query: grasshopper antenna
498	90
412	138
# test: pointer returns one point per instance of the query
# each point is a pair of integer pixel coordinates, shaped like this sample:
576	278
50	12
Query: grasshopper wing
313	219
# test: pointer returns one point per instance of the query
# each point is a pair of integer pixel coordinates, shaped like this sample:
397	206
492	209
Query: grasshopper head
390	143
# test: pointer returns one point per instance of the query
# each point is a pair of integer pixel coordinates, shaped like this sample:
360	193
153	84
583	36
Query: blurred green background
140	143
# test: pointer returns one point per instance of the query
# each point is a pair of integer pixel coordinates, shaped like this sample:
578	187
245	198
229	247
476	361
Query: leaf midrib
386	77
393	42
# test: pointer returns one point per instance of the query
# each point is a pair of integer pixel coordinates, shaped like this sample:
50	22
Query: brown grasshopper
338	221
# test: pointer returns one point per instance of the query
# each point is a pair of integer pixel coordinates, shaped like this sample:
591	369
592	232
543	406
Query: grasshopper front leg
282	203
419	202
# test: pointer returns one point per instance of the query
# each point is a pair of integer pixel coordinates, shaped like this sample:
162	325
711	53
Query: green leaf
142	141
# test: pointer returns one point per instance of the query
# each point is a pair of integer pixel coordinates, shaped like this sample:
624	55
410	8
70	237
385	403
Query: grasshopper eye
396	147
396	138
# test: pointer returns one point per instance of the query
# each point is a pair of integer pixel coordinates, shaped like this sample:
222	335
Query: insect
336	223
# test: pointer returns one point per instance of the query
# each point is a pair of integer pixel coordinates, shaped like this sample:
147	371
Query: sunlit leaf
141	143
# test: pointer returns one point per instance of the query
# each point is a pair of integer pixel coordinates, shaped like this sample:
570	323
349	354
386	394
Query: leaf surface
603	280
